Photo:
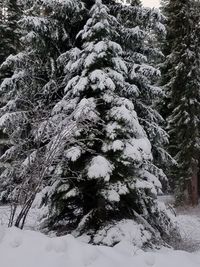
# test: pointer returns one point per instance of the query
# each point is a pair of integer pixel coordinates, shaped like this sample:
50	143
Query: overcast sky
151	3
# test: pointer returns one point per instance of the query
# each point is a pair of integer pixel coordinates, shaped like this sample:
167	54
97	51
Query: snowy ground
29	248
32	220
189	224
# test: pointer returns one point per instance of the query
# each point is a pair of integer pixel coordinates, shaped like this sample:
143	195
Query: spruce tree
31	91
10	13
181	72
142	55
106	174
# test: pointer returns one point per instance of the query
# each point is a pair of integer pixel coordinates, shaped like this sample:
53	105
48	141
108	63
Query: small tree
37	167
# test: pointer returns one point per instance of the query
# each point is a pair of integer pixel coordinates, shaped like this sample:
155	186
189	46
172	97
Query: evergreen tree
181	81
31	91
106	173
10	13
142	55
9	32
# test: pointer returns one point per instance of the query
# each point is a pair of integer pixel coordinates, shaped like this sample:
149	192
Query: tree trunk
194	187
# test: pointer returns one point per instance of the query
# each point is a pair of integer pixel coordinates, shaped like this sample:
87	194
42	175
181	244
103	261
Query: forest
100	120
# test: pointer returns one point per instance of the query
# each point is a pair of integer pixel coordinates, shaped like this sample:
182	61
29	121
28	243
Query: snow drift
28	248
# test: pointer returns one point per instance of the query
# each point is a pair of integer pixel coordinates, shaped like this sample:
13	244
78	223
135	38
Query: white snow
73	153
100	47
120	64
90	59
117	145
138	149
71	83
189	222
122	113
86	109
65	106
100	167
124	232
111	129
152	179
101	80
81	85
35	22
13	59
111	195
25	248
114	191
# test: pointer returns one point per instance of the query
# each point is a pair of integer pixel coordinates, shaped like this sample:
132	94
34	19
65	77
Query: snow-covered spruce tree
142	56
165	66
29	93
108	177
181	75
9	44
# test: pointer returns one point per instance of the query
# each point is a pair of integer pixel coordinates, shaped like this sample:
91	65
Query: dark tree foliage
10	13
181	80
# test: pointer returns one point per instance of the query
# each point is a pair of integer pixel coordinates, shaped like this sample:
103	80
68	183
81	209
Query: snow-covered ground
32	221
188	219
29	248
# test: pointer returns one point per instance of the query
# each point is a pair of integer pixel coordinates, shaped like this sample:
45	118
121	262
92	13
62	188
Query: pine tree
105	174
181	81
